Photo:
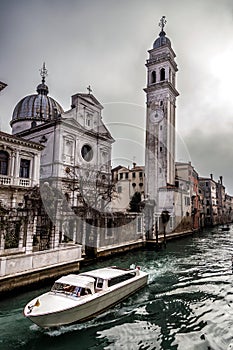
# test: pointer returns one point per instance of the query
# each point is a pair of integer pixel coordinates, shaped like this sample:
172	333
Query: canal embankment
40	275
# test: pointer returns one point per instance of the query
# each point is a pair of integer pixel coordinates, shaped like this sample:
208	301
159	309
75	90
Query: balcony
10	180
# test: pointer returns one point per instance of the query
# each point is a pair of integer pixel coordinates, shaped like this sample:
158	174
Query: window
88	120
121	175
134	184
119	189
99	283
4	160
141	174
187	201
24	170
153	77
87	153
67	197
133	175
115	280
126	175
162	74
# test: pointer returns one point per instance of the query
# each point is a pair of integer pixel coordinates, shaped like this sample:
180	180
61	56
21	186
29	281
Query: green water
187	305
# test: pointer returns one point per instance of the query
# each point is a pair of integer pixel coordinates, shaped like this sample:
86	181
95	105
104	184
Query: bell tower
161	96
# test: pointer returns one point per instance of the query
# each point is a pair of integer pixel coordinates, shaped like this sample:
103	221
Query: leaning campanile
161	96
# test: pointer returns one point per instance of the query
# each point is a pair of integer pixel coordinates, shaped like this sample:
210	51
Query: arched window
162	74
4	161
153	77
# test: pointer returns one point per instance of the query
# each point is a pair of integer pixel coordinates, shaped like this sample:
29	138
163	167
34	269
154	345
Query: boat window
120	279
57	287
99	283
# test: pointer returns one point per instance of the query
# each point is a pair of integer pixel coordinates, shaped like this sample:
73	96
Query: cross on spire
43	72
162	22
89	89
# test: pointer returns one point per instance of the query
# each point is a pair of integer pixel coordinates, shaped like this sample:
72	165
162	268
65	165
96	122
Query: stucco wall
10	265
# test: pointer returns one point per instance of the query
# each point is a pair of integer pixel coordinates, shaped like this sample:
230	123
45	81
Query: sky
104	43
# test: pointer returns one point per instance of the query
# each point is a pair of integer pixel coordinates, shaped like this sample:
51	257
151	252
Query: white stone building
127	182
19	168
77	145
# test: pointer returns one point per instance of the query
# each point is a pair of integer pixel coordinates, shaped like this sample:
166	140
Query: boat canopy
108	273
77	281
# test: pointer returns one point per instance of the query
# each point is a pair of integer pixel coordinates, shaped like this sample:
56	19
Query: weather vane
43	72
162	22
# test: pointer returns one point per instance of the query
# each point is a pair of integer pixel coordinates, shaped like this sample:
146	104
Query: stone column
16	168
21	233
31	231
83	234
35	171
2	239
12	168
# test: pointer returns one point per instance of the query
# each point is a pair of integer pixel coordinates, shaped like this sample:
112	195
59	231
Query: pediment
73	124
91	99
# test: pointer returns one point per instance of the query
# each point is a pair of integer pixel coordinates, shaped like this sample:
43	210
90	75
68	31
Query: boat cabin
110	276
92	281
74	285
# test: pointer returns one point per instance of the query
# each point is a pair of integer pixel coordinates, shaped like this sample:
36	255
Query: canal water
187	305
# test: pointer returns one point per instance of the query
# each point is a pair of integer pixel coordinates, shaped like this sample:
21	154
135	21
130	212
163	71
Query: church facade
77	145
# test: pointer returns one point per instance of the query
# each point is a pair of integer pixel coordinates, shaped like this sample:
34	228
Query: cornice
20	141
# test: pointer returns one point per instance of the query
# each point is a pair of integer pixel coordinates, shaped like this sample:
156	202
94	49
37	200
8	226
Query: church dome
38	107
161	40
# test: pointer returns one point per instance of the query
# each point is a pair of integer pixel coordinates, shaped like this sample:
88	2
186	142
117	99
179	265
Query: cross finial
162	22
89	89
43	72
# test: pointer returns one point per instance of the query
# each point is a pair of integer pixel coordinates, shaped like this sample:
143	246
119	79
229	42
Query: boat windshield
70	289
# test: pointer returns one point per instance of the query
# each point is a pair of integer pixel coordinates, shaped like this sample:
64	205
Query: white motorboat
77	298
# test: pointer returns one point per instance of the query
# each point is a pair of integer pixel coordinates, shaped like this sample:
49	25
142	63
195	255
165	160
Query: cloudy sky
104	43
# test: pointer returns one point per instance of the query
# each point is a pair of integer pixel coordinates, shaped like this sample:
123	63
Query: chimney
211	176
220	177
134	165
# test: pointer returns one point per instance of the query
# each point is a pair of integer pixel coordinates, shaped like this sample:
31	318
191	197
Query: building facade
77	145
127	182
19	168
187	183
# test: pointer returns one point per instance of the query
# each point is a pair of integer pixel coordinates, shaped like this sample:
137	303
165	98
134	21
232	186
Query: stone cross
89	89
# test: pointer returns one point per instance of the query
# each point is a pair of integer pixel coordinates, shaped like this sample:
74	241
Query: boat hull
91	306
